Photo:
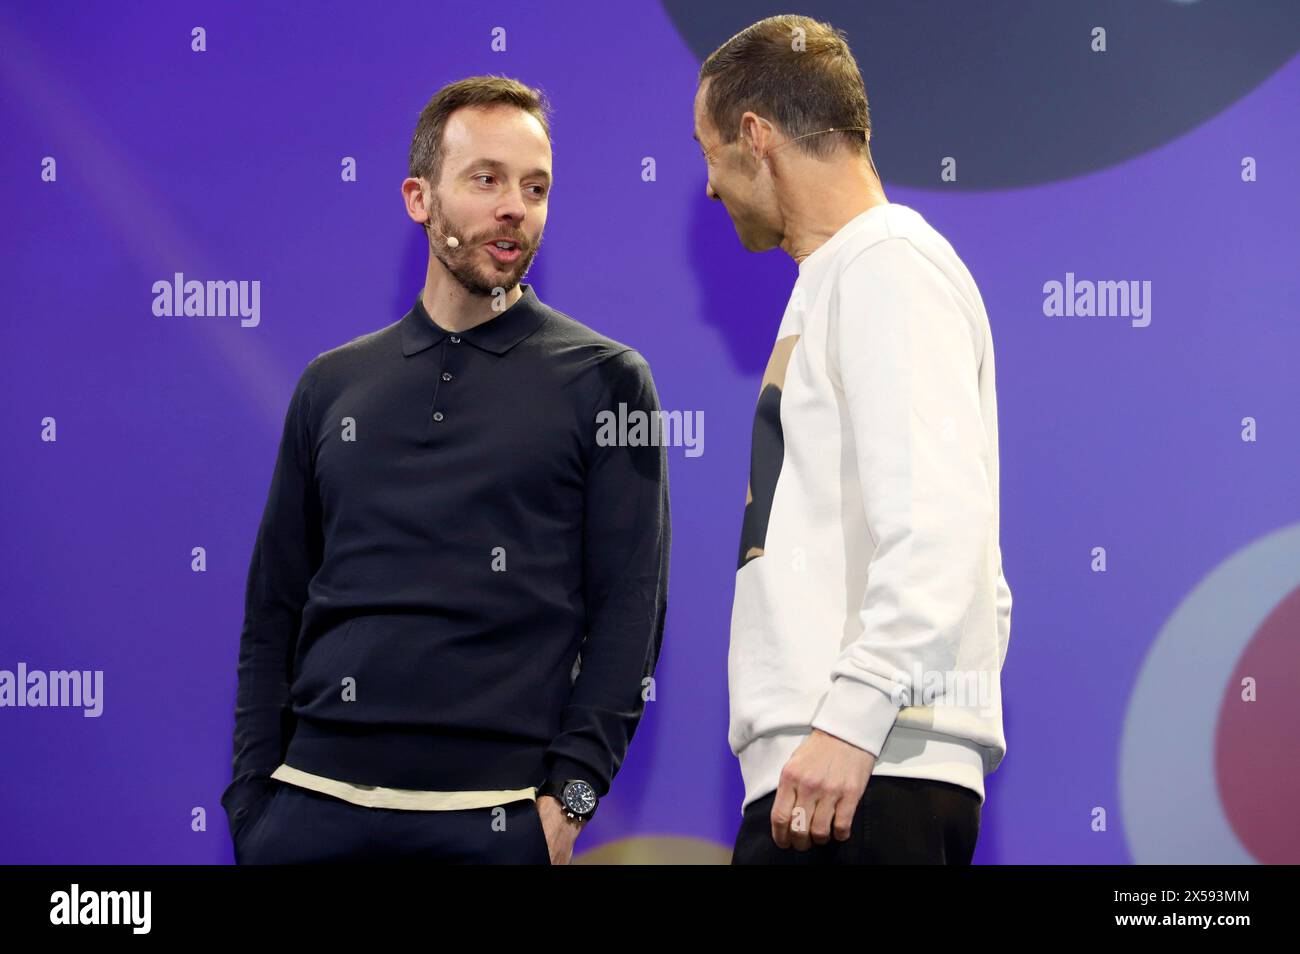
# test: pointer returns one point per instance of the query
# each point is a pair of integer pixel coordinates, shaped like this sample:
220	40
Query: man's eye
483	176
541	190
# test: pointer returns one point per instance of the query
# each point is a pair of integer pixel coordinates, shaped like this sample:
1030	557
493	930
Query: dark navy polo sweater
443	536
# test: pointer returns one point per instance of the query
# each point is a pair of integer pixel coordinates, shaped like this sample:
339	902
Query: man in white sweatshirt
871	614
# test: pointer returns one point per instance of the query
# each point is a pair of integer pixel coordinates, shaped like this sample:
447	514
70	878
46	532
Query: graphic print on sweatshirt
767	451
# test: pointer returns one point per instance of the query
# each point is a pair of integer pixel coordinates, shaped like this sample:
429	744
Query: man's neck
453	307
834	196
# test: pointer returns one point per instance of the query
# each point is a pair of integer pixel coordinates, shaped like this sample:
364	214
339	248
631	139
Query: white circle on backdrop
1169	797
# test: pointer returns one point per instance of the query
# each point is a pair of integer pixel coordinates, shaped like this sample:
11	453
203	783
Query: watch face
579	798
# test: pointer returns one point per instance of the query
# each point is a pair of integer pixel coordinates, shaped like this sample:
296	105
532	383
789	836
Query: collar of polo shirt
498	334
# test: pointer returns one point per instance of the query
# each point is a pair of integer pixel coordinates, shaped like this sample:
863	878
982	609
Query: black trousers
899	821
300	826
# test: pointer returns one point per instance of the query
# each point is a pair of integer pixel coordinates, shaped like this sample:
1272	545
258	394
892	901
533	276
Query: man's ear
750	127
747	134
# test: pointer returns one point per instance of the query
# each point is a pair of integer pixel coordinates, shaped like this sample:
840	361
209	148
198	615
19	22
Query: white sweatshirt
870	601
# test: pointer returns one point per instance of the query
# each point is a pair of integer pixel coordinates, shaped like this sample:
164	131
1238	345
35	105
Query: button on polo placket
449	360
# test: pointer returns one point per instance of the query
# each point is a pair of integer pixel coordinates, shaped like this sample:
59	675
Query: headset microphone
452	241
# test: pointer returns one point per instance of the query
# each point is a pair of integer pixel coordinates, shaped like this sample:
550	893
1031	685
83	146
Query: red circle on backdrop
1256	744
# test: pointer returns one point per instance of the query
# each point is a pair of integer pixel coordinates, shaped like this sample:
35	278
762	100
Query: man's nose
511	211
708	190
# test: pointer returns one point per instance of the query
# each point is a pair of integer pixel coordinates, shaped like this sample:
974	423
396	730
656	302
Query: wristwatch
576	797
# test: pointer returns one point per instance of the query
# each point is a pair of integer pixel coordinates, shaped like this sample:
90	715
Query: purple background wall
224	165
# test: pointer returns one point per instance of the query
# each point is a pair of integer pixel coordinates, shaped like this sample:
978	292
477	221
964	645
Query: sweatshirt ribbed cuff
858	713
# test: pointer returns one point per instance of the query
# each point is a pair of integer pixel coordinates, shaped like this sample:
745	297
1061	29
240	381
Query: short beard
457	260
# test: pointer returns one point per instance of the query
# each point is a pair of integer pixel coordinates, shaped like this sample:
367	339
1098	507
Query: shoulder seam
951	285
903	238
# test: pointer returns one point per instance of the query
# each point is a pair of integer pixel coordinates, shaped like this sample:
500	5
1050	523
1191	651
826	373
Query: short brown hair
476	91
802	90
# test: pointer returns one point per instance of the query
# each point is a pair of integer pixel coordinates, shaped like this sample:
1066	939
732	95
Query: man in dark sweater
457	593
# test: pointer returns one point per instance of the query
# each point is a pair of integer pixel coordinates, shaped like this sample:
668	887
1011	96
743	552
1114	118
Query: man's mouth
504	251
